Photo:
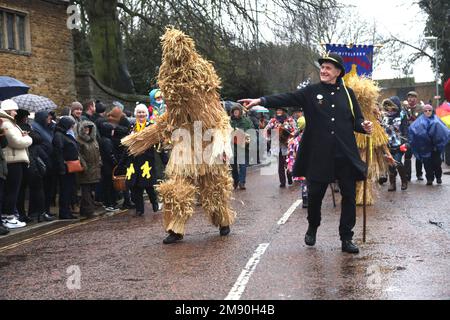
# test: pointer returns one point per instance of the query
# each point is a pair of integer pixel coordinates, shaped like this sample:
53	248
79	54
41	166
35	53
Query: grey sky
403	19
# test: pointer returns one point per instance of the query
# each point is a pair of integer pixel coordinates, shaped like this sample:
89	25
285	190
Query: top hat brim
335	62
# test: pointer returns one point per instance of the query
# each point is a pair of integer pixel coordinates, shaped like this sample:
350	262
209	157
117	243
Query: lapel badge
320	98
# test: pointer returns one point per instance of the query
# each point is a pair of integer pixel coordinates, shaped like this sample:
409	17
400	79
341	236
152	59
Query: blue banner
356	57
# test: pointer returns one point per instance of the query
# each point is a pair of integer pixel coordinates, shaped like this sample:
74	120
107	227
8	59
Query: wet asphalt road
406	256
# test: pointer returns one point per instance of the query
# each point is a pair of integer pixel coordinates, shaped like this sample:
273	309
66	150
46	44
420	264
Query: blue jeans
239	175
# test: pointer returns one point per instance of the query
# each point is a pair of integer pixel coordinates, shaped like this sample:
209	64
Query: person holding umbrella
328	150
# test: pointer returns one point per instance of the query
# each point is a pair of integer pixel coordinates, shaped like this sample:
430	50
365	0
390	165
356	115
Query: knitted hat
447	90
9	105
75	106
99	107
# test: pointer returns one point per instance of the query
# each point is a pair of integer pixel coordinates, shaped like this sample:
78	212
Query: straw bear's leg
178	195
215	196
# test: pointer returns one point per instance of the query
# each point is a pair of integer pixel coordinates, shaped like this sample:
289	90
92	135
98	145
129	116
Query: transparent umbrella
34	103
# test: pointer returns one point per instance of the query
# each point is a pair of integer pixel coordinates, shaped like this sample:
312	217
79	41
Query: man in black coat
328	149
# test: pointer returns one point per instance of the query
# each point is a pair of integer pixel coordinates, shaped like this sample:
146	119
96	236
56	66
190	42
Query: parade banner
357	58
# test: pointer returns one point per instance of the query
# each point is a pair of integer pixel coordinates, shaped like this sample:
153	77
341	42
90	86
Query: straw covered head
184	76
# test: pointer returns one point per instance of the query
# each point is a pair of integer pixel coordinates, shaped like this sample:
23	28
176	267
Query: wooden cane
365	187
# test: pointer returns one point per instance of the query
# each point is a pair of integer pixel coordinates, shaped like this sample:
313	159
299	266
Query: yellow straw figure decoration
194	113
367	93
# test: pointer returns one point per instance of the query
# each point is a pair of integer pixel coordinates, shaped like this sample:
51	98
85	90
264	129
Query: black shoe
68	217
349	246
172	238
404	185
438	180
429	183
127	206
45	217
305	203
310	236
242	186
420	178
139	213
155	207
25	219
3	230
235	185
98	204
382	180
224	231
282	185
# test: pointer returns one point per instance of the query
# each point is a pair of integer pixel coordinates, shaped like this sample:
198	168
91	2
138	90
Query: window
13	31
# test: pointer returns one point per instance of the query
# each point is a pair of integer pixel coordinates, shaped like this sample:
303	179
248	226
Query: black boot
155	206
407	166
392	182
224	231
382	180
310	236
3	230
349	246
305	203
172	237
403	177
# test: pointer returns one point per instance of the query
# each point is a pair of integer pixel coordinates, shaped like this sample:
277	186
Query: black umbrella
10	87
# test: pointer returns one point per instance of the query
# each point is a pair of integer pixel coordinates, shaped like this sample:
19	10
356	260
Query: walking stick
332	194
365	187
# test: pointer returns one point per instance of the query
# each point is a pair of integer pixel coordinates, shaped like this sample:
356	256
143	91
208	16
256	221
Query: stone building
36	47
401	87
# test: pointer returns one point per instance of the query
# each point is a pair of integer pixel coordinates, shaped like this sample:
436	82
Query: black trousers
347	185
108	191
16	172
50	190
67	185
433	166
36	199
408	157
137	195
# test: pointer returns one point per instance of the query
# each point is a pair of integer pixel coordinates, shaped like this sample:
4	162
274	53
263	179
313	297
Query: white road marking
241	282
239	287
288	213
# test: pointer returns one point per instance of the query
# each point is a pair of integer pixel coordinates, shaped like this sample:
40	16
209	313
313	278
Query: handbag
74	166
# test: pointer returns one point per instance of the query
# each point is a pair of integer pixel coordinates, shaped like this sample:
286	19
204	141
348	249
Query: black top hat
334	59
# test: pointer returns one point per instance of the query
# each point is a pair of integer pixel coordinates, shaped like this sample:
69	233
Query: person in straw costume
367	93
194	114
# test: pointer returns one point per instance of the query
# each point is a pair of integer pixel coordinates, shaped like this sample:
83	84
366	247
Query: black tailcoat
329	125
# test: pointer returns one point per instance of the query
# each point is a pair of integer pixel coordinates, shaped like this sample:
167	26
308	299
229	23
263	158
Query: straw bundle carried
367	93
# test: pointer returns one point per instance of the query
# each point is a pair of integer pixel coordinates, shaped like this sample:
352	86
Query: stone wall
395	87
48	68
